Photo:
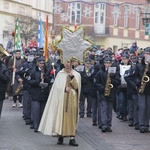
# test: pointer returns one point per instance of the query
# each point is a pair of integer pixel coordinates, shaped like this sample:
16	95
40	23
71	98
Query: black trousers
1	106
19	98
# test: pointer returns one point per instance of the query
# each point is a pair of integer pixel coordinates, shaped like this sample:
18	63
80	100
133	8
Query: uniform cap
125	55
107	59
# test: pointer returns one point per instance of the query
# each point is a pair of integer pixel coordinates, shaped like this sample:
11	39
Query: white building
9	9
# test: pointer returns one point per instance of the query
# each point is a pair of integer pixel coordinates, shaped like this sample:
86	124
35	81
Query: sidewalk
15	135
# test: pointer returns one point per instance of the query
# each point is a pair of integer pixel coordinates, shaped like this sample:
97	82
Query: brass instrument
108	86
3	51
144	80
42	84
19	89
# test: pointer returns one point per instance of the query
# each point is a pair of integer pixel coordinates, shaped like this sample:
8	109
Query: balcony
101	31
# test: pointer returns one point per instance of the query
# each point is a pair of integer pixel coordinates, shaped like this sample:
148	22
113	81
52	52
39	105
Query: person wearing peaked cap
122	92
142	86
38	54
107	53
102	80
40	49
133	111
40	78
24	72
140	57
92	57
87	60
41	60
147	50
134	61
125	59
107	59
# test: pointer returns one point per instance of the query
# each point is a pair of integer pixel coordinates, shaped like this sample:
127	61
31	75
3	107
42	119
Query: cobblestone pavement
15	135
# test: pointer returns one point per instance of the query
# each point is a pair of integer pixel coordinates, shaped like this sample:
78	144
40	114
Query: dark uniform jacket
4	79
24	73
130	78
139	74
37	92
100	82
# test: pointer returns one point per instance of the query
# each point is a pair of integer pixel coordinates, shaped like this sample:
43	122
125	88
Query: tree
28	27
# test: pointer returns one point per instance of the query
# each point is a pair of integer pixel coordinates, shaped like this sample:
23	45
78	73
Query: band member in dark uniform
105	82
39	81
4	79
132	95
143	85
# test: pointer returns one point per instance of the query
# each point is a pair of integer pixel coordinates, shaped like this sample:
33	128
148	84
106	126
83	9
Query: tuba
108	86
144	80
3	51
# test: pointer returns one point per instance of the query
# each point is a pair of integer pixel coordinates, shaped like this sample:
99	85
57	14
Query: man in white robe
60	117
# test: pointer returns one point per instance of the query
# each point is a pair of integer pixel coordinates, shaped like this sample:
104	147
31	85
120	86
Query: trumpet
3	51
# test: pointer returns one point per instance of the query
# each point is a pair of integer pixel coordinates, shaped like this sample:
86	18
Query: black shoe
31	126
60	140
89	115
94	124
146	130
81	116
109	129
124	118
72	142
130	124
137	127
100	127
104	130
35	130
28	122
121	117
142	131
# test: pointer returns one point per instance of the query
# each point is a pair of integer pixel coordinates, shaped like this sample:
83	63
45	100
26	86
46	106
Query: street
15	135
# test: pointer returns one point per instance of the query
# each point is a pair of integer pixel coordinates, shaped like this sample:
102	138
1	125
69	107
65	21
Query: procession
57	86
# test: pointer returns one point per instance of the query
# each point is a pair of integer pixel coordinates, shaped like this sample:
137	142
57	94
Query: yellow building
10	9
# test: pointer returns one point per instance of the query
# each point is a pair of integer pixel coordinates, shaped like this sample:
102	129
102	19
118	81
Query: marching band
109	81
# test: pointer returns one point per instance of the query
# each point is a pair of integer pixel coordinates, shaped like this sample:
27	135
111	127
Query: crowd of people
53	94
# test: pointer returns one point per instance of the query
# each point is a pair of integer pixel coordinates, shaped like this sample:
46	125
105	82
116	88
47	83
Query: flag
46	54
75	25
40	33
17	38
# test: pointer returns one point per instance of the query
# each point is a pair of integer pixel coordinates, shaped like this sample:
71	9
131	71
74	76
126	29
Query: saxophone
108	86
18	89
144	80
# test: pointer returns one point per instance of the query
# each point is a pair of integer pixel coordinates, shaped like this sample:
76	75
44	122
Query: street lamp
146	19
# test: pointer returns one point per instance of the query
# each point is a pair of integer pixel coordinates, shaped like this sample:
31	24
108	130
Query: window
101	17
125	16
137	22
100	13
5	34
116	14
75	12
96	17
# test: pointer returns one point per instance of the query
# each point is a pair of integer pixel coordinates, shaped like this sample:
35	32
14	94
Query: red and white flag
75	25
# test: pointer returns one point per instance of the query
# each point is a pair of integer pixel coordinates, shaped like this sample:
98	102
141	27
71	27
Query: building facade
109	23
9	9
